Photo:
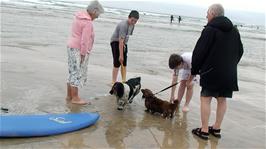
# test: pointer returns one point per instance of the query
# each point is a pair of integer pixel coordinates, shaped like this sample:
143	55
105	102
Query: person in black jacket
171	19
215	57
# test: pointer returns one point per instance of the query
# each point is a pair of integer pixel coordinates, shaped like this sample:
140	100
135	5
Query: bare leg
189	94
75	97
114	74
69	97
205	108
181	90
221	109
123	73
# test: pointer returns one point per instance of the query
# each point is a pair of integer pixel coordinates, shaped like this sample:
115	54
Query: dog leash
167	88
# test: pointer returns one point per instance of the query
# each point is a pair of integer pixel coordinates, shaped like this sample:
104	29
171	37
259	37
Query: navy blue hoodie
216	55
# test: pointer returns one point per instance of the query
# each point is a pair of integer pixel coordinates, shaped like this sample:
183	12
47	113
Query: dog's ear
176	101
148	93
112	89
119	89
111	92
145	94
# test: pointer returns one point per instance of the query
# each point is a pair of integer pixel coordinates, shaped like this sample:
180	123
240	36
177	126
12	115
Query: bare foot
79	101
185	109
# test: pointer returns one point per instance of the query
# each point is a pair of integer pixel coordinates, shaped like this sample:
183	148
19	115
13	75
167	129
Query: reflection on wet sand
118	129
202	144
74	141
131	128
175	133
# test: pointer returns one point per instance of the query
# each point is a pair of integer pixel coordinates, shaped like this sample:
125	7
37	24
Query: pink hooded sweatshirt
82	36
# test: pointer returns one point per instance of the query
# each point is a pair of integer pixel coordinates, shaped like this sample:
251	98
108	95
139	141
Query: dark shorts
116	54
209	93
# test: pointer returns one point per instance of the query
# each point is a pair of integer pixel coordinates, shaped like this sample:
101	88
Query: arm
201	49
122	36
174	80
240	49
121	50
86	39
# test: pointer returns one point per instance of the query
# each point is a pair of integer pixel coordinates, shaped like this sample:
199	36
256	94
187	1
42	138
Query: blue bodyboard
44	125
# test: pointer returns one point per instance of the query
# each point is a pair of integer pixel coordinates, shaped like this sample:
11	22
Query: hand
121	59
82	57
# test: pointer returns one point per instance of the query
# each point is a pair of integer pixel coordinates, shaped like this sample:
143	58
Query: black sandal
215	132
199	133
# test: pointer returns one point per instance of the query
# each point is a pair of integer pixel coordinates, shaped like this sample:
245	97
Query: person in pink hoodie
79	47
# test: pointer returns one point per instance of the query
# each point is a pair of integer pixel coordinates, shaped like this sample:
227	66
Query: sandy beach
34	73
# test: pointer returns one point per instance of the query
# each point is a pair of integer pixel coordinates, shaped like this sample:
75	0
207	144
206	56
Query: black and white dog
125	92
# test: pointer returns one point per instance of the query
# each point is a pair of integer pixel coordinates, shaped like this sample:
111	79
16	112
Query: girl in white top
182	69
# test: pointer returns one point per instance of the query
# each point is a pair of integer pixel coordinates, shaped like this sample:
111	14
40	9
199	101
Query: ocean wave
147	17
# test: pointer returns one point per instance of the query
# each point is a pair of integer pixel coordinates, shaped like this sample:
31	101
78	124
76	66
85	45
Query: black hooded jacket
216	55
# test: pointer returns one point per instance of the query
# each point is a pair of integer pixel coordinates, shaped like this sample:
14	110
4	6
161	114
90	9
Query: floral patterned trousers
77	71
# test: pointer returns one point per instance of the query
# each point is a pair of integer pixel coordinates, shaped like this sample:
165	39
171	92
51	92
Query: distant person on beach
181	64
78	48
171	19
179	19
119	47
215	57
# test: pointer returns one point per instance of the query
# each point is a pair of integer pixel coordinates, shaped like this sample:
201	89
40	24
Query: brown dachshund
154	104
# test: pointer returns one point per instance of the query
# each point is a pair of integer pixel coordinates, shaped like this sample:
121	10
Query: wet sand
34	72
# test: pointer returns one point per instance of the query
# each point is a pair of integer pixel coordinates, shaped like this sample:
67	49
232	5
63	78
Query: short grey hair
95	6
216	10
